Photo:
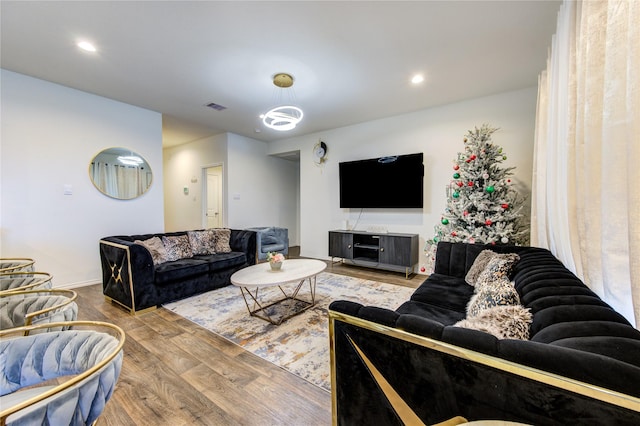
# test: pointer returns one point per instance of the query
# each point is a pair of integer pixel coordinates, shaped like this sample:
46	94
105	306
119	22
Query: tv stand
393	252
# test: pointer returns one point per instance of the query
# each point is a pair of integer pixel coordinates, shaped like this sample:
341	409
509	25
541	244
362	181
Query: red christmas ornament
454	234
488	222
469	183
422	269
465	213
505	206
508	180
468	160
460	183
473	157
456	167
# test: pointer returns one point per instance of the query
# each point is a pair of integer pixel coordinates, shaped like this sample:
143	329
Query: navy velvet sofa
130	278
581	364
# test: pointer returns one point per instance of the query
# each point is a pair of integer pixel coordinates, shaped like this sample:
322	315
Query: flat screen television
386	182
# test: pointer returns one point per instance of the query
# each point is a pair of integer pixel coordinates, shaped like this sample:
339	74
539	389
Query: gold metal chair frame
117	331
72	296
27	263
45	277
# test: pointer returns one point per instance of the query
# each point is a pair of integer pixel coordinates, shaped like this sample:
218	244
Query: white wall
182	165
437	132
259	190
49	134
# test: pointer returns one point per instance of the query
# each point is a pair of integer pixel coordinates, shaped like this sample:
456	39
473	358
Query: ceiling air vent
216	106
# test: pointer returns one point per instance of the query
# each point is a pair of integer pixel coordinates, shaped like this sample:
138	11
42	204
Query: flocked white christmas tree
482	204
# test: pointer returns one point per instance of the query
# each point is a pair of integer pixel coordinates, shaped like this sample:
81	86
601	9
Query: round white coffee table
298	271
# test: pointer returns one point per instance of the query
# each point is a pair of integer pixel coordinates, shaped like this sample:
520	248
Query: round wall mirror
120	173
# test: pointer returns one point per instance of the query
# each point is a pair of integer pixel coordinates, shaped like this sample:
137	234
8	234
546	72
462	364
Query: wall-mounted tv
386	182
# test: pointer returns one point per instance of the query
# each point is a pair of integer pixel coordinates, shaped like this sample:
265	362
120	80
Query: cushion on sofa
499	266
504	322
202	242
222	237
174	272
177	247
478	266
565	330
563	313
156	248
435	313
444	291
496	293
221	261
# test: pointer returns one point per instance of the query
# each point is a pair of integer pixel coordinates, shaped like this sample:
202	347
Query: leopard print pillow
478	266
178	247
504	322
222	236
202	242
498	267
498	293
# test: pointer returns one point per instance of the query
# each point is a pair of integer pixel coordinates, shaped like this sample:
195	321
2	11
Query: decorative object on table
482	204
299	344
275	260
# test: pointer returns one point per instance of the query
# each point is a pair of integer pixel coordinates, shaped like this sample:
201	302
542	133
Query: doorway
212	199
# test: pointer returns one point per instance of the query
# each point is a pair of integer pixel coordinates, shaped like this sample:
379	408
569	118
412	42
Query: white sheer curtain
118	181
586	194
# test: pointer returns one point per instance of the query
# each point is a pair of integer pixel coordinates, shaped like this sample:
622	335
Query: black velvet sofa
580	366
130	278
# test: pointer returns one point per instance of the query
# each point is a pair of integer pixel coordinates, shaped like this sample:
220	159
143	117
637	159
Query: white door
214	197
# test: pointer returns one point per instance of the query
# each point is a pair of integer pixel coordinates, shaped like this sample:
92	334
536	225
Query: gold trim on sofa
547	378
132	310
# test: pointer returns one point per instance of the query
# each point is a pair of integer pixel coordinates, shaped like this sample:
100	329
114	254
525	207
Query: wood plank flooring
177	373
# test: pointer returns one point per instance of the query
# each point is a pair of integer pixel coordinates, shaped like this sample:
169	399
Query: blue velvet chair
86	362
271	239
31	307
16	264
24	281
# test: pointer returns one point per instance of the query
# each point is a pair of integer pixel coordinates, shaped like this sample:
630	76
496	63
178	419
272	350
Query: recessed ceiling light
85	45
417	79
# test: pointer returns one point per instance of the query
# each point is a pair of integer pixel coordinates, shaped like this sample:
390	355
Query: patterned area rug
301	343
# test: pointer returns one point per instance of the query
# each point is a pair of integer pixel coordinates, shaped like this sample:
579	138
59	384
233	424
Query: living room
51	211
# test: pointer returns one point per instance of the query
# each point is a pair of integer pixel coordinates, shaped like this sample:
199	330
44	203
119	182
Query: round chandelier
286	117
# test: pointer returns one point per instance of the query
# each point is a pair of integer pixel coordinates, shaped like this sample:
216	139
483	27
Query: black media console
393	252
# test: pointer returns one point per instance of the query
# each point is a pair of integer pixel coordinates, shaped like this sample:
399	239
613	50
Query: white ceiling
351	60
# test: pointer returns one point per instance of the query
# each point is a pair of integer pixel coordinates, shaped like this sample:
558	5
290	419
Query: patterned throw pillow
178	247
499	292
498	267
478	266
222	237
504	322
156	248
202	242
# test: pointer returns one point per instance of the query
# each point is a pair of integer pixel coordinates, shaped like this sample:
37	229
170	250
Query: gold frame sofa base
384	374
